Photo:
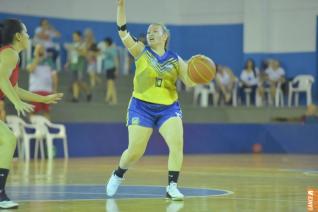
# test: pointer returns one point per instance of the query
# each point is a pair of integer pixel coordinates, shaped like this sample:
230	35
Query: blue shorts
151	115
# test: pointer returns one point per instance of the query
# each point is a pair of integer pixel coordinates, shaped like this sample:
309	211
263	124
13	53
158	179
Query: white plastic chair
20	126
45	124
204	91
235	92
279	96
301	83
248	95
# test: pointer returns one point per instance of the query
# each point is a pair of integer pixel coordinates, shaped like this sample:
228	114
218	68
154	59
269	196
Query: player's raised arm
134	46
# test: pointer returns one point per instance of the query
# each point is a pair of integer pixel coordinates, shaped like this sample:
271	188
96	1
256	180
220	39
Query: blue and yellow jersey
155	77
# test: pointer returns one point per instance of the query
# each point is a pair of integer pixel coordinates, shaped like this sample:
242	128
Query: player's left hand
53	98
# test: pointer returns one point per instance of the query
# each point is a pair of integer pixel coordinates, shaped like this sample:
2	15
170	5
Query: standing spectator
91	58
225	81
92	52
89	38
43	78
249	79
275	76
76	64
110	66
44	34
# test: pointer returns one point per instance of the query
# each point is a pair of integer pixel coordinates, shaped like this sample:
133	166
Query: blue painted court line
97	192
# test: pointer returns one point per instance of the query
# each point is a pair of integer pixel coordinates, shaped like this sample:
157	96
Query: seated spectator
249	79
225	81
44	35
275	74
76	64
43	78
2	110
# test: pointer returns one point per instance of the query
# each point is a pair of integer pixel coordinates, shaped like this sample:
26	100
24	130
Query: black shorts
110	73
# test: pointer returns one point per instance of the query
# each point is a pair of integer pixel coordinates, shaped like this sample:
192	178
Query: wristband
122	27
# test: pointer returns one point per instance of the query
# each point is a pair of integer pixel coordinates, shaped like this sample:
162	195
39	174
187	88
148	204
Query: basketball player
13	39
154	102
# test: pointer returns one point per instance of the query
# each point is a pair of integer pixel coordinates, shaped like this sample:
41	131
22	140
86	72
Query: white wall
280	25
211	11
140	11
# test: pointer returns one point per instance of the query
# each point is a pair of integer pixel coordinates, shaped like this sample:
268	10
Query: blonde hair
165	30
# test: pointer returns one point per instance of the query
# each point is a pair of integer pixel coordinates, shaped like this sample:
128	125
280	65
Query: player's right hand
23	108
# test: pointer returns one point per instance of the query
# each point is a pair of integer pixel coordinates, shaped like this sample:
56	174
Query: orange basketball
201	69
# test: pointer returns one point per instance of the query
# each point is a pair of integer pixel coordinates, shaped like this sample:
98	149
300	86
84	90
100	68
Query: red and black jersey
14	75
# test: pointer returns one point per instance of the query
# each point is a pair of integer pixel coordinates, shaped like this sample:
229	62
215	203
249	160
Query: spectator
44	35
43	78
76	64
92	52
225	81
110	66
275	76
89	38
249	79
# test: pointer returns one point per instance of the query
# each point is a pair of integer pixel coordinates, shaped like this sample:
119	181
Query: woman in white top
275	75
224	83
249	79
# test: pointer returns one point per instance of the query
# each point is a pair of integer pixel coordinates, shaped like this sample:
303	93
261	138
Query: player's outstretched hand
53	98
23	108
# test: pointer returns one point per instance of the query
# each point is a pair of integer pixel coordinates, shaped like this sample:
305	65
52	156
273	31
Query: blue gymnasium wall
223	43
101	139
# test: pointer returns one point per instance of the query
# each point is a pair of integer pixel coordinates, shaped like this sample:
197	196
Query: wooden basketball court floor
242	182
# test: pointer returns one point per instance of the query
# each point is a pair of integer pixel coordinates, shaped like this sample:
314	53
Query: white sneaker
173	192
113	184
8	204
